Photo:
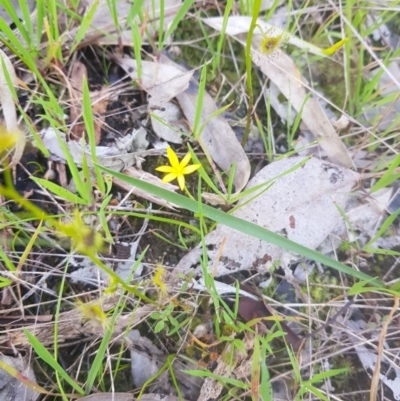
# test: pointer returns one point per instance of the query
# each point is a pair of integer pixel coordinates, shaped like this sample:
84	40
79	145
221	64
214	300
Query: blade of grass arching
388	177
263	186
199	104
135	9
11	11
217	57
309	387
100	352
161	121
158	218
84	26
183	9
241	225
52	110
89	125
45	355
137	46
155	376
203	174
32	131
166	240
11	41
387	223
60	191
213	115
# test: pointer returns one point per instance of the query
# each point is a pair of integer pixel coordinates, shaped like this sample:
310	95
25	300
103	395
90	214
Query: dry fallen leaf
163	82
294	206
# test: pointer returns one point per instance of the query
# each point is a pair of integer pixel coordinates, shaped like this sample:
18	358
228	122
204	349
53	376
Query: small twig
331	320
375	376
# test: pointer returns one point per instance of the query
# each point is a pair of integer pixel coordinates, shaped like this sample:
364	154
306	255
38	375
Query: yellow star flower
177	169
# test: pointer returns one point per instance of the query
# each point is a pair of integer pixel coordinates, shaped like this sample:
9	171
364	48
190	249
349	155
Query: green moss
322	288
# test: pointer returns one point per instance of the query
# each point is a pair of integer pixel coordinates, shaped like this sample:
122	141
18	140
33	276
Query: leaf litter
293	201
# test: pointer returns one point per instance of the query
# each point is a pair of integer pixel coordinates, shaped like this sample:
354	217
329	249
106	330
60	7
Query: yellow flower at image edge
9	139
177	169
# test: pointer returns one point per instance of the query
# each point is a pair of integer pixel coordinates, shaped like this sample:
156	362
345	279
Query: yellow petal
169	177
172	157
185	161
191	169
181	182
165	169
331	50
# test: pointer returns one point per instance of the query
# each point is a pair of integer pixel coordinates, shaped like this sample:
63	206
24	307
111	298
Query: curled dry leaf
286	76
294	206
163	82
282	71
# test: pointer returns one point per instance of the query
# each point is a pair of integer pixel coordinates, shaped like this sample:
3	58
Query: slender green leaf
60	191
241	225
45	355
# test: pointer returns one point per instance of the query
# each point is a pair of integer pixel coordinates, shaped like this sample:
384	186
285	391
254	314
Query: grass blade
45	355
243	226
